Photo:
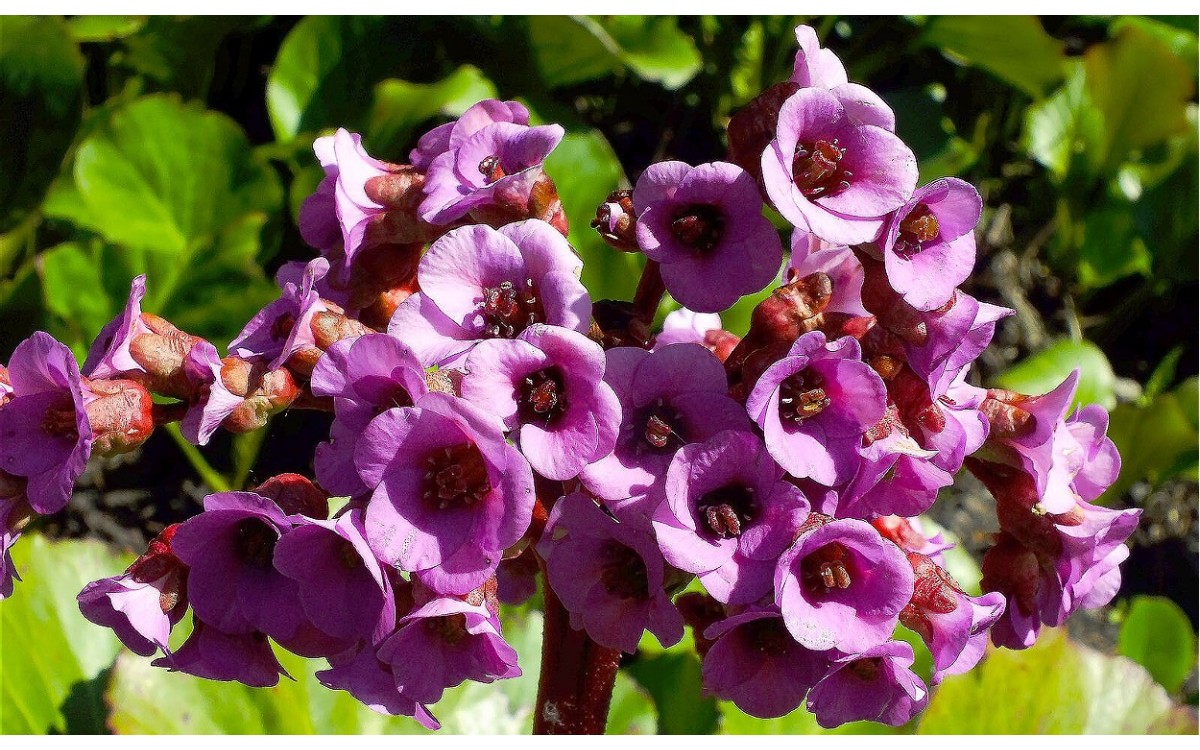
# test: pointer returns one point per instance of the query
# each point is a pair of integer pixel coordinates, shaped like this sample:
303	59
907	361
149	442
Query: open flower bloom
481	283
704	225
609	576
214	654
340	208
875	685
755	662
450	494
451	135
371	682
443	643
669	398
284	327
728	515
547	384
929	242
109	356
363	376
45	435
815	405
811	254
814	65
830	174
842	585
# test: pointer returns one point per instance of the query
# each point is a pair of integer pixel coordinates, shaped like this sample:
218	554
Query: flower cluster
490	423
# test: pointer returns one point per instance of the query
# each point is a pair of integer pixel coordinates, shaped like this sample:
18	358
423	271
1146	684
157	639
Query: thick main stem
577	678
650	291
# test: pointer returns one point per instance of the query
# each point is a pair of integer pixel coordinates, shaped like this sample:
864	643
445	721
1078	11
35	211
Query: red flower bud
296	494
616	221
119	412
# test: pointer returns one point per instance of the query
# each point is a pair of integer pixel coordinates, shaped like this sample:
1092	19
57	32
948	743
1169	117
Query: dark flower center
450	628
802	396
826	569
492	169
456	476
768	636
59	419
698	226
866	670
348	556
623	572
255	542
919	227
507	310
283	326
727	510
817	168
663	427
543	397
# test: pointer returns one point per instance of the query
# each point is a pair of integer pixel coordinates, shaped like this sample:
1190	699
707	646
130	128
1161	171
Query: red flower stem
577	678
650	291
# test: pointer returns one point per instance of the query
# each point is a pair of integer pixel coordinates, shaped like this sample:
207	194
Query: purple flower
214	654
832	175
815	405
811	254
841	585
14	515
962	427
895	477
233	585
814	65
756	663
609	576
669	398
951	337
284	327
480	283
728	515
340	208
443	643
450	494
488	159
684	326
371	682
212	401
1086	461
452	135
45	435
704	225
363	376
929	242
548	383
109	356
341	586
875	685
133	609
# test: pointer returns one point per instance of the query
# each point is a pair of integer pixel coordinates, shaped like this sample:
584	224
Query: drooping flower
669	398
214	654
875	685
363	376
45	435
609	575
705	227
109	356
832	175
450	494
284	327
371	682
548	385
929	242
443	643
480	283
728	515
841	585
815	405
340	209
755	662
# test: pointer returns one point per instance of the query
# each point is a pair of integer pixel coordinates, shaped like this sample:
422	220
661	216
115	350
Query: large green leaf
1015	49
149	700
177	193
179	53
1065	132
399	107
41	80
1156	440
52	661
570	50
1055	687
1158	635
1043	371
673	679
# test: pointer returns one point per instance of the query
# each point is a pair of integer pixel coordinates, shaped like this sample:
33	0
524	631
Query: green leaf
800	721
53	659
1111	247
1043	371
104	28
570	50
73	290
673	679
632	708
1055	687
1015	49
1158	635
399	107
41	87
327	64
1156	440
178	193
179	53
1065	133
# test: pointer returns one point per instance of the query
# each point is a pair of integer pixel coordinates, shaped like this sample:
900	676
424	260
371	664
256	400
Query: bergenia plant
489	423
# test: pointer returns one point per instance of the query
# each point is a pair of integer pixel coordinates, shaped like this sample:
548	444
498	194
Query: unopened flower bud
791	311
296	494
329	328
161	354
616	221
119	412
266	393
400	192
533	195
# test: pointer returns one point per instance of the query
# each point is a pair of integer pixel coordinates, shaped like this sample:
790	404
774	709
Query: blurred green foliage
181	148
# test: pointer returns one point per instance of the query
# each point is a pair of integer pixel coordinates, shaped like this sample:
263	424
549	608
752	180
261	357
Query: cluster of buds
490	424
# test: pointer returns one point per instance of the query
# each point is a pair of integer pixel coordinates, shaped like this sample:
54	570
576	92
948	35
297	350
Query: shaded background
181	148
